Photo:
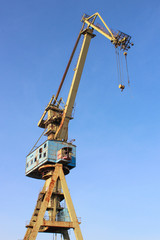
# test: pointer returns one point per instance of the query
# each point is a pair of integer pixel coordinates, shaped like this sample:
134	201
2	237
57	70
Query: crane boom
62	132
58	119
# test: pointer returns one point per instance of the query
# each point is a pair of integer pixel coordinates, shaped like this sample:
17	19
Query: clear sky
115	186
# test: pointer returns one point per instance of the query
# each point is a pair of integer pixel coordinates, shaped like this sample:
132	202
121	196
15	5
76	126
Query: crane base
59	219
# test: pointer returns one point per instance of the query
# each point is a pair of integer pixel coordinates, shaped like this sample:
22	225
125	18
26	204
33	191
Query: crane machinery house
50	152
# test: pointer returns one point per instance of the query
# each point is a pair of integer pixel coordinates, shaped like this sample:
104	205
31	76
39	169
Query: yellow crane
53	159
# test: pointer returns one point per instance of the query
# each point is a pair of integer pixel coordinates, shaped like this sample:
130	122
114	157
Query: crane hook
122	87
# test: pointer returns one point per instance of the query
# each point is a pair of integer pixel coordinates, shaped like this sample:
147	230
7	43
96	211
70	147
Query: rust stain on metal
50	190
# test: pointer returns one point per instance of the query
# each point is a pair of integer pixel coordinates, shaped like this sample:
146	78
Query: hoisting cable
125	54
118	67
37	141
121	61
69	63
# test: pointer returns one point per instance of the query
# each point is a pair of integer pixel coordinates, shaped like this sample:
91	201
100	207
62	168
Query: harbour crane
53	159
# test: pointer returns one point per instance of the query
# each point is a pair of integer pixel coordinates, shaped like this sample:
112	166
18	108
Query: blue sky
115	186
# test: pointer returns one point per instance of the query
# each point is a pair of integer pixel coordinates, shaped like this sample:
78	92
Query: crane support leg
49	184
70	207
49	200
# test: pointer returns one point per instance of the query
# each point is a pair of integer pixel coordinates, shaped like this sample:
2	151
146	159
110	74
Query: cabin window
40	155
31	161
35	159
27	165
40	150
44	154
45	145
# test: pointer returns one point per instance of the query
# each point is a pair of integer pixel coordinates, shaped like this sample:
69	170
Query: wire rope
37	141
122	67
118	66
127	70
